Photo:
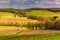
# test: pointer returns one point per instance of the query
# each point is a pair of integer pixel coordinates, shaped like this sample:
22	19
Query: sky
23	4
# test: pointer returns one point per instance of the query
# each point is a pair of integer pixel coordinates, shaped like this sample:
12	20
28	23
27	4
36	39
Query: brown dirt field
16	20
10	31
40	32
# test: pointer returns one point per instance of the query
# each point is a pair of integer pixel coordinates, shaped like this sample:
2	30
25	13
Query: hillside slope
40	13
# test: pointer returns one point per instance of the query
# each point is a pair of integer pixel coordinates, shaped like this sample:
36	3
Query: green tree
55	17
15	12
22	12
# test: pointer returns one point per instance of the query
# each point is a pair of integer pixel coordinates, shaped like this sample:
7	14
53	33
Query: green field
43	13
5	14
8	27
40	12
31	37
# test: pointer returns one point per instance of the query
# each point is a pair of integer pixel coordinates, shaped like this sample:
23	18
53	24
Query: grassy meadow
43	13
7	20
31	37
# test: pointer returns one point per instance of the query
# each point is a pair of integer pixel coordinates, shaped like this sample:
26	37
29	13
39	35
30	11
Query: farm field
43	13
11	27
23	34
5	15
29	19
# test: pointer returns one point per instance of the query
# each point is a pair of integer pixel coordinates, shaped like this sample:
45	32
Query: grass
31	37
5	14
40	12
8	27
43	13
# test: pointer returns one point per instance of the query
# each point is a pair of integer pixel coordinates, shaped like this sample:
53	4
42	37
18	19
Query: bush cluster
35	26
57	25
49	24
40	18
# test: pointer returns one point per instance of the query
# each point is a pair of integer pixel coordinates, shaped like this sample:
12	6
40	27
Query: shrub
40	18
34	26
55	17
32	17
39	26
57	25
49	24
36	17
23	13
30	25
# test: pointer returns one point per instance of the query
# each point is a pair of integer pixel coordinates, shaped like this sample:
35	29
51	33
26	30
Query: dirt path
40	32
9	31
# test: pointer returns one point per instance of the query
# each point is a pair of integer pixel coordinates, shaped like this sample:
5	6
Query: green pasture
8	27
5	15
40	13
31	37
43	13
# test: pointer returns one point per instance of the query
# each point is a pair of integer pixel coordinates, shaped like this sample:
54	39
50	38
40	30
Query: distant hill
11	9
6	9
49	9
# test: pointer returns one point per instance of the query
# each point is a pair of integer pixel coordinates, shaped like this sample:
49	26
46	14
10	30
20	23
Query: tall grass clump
35	26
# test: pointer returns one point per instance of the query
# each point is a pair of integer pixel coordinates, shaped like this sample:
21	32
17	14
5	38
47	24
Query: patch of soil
9	31
40	32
